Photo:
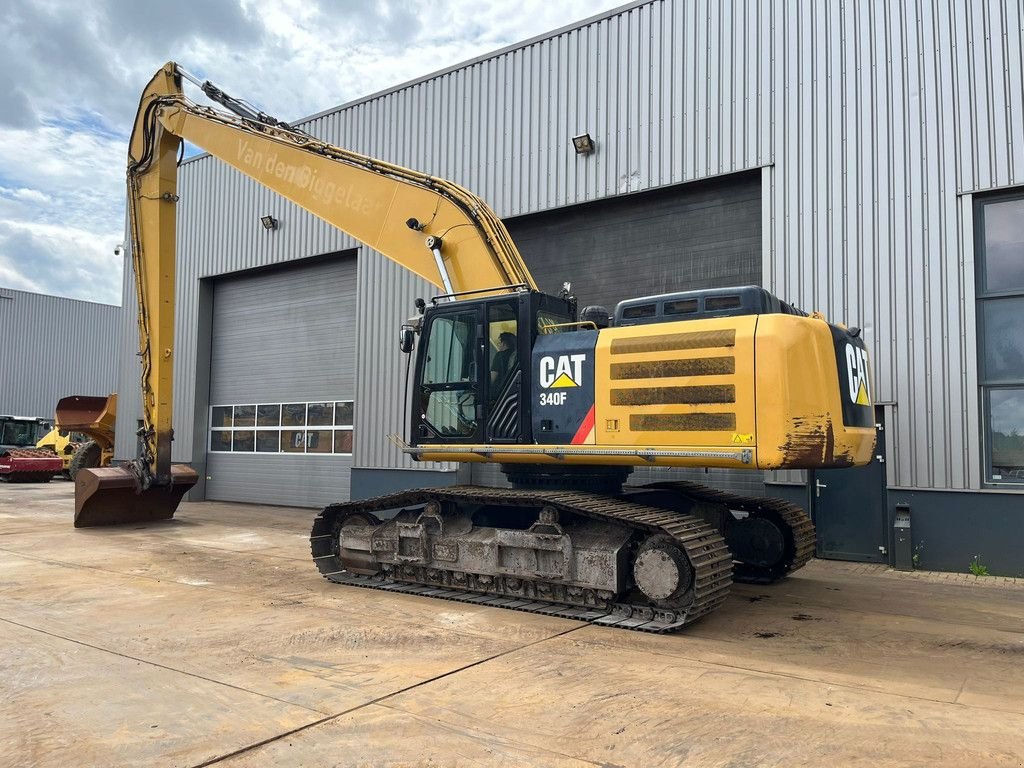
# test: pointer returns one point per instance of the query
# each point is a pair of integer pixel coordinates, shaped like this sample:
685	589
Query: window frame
982	296
280	428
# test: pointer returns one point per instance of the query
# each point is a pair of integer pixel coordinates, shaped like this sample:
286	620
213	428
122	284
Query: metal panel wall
872	117
670	91
884	114
386	293
51	347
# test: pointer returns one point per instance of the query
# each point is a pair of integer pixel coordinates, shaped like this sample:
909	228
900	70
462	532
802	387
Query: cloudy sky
73	71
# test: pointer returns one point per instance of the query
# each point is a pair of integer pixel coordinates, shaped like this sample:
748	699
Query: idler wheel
757	541
662	571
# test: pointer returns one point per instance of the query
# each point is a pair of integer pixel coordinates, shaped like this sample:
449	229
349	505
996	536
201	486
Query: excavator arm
432	227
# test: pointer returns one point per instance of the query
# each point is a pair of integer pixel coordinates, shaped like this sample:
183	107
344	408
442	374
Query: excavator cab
473	382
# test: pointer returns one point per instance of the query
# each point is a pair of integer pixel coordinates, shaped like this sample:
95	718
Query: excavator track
708	555
796	525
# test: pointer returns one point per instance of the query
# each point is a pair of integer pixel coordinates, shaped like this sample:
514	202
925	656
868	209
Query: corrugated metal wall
883	116
51	347
873	119
671	91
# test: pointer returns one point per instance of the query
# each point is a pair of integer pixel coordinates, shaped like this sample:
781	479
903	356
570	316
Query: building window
999	249
321	427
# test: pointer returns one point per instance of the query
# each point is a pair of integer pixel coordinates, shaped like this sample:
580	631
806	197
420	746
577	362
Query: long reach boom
436	229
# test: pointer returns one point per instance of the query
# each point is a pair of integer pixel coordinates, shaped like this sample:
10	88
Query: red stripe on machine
585	428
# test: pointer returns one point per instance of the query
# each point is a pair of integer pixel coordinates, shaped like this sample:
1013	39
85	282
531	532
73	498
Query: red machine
20	461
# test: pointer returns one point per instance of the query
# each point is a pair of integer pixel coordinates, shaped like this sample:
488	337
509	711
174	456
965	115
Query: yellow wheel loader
92	420
64	445
567	402
83	435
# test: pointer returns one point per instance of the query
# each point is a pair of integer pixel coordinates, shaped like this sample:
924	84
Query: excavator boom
436	229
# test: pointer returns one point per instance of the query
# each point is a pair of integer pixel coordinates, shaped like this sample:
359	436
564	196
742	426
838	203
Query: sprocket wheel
663	572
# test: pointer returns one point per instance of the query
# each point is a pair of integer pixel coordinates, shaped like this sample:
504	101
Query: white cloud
73	73
25	195
60	259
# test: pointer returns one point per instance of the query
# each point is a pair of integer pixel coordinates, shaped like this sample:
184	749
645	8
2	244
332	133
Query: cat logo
857	375
566	371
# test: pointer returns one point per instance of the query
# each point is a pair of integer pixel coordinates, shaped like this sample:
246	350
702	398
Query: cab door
448	401
503	350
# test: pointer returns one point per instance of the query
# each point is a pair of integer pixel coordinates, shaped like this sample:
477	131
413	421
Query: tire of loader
86	456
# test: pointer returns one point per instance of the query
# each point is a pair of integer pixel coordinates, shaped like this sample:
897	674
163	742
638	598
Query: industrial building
863	161
52	347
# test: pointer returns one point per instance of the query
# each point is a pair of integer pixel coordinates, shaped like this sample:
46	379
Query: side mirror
406	339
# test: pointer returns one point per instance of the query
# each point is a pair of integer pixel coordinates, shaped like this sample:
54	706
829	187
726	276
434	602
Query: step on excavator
566	401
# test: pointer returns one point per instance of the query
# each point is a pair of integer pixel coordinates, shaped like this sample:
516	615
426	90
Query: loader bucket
108	496
94	416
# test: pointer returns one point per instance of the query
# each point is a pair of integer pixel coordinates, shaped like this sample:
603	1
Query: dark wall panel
949	529
701	235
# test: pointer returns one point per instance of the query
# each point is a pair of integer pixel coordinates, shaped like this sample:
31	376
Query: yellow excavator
567	401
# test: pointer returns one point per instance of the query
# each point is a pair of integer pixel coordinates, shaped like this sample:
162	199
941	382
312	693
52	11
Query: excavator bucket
109	496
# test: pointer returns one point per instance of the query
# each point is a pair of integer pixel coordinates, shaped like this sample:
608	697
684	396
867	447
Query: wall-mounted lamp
269	222
583	144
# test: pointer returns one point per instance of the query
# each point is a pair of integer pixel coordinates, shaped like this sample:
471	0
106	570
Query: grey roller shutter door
701	235
283	336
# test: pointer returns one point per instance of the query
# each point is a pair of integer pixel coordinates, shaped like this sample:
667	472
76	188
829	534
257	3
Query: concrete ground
211	639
